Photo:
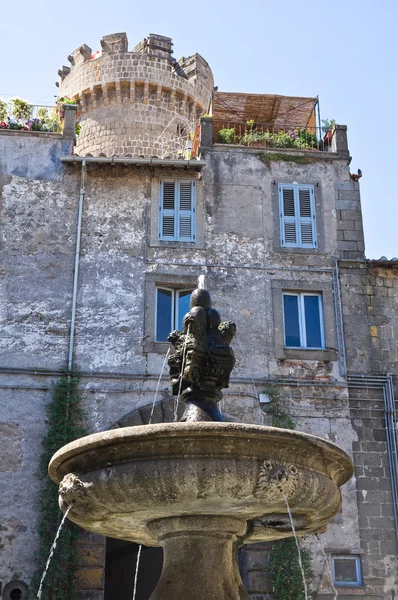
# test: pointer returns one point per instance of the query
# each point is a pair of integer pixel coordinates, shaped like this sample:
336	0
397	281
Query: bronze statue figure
203	359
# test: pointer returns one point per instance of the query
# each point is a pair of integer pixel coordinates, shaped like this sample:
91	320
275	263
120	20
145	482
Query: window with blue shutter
177	210
297	216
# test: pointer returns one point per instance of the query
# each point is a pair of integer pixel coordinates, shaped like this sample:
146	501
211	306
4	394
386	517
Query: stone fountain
202	487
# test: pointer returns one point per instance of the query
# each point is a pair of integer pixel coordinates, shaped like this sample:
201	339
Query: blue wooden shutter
186	211
167	211
306	210
288	214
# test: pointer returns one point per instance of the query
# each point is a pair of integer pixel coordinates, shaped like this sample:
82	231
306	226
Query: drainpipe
76	269
340	316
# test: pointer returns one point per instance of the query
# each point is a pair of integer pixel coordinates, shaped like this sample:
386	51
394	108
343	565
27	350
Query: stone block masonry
142	102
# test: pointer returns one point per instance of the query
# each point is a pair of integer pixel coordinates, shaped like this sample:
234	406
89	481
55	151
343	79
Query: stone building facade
341	388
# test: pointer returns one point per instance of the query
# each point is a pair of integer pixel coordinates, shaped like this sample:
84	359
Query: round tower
141	102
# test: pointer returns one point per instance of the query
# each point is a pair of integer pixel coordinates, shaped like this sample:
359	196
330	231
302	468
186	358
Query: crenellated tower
138	102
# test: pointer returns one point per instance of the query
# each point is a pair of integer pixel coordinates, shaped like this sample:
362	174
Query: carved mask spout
202	361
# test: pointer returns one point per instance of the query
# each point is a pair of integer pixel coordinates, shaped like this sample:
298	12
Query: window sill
326	355
345	594
174	244
349	586
156	347
298	250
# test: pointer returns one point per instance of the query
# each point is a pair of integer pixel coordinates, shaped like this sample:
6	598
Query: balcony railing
273	136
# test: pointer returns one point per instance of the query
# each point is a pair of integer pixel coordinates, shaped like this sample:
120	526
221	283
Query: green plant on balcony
304	139
328	124
251	137
3	110
60	106
21	109
226	136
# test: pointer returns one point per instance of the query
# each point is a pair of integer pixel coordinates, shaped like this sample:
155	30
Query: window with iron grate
297	216
177	210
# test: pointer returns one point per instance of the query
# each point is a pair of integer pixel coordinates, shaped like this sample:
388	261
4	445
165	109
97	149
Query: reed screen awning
268	109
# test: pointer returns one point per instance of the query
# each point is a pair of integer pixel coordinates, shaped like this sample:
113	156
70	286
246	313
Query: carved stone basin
200	489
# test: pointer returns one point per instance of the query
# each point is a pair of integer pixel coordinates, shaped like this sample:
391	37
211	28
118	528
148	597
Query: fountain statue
202	487
203	359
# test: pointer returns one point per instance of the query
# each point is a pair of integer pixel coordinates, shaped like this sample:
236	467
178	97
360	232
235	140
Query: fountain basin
122	481
200	490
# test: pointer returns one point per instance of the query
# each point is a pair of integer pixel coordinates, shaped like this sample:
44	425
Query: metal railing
273	136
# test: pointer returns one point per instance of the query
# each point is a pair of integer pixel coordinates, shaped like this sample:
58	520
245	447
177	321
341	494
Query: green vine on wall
287	580
65	424
286	576
278	156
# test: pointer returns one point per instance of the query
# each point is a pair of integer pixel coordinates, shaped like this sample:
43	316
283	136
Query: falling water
158	385
136	570
52	550
181	374
298	547
137	565
251	376
201	282
335	596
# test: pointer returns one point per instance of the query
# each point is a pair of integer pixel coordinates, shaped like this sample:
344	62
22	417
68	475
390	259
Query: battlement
151	60
143	89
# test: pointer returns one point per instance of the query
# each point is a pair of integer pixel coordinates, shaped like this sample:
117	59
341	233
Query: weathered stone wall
369	291
350	239
375	502
32	154
141	102
239	252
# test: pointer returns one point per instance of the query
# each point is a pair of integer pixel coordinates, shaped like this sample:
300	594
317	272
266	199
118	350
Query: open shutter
167	211
288	216
307	216
186	215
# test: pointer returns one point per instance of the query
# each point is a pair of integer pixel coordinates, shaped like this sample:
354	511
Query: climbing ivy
287	580
279	416
267	158
286	576
65	424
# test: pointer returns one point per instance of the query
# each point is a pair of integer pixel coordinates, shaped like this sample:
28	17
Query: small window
346	571
297	216
171	306
303	320
177	210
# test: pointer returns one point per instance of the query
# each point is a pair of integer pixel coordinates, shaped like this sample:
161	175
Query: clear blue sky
345	51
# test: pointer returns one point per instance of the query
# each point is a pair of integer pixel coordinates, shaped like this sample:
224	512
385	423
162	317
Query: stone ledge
25	133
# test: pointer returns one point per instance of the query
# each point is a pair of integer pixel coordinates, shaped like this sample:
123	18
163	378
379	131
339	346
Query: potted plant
226	136
60	106
21	109
3	110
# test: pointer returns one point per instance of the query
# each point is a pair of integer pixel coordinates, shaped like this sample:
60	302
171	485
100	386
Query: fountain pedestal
200	558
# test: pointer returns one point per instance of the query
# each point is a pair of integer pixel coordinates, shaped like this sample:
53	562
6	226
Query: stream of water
298	547
136	570
335	592
158	385
52	550
176	404
251	377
